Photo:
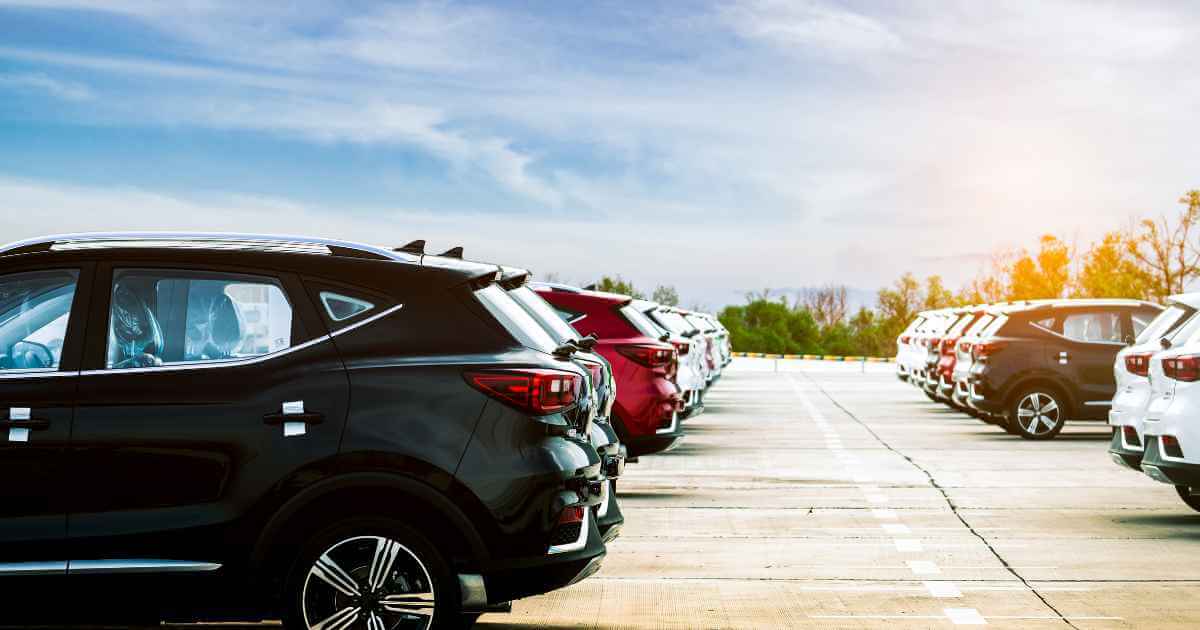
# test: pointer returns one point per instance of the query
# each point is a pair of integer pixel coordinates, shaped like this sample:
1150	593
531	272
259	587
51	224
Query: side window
1047	323
568	316
342	307
1093	327
34	309
178	317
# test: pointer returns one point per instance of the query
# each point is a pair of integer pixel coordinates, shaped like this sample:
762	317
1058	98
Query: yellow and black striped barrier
814	357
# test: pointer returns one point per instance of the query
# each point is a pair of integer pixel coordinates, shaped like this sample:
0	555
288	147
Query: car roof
1187	299
555	287
1050	304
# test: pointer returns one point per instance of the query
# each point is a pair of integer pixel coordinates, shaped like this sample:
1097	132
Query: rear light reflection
647	355
1186	369
537	391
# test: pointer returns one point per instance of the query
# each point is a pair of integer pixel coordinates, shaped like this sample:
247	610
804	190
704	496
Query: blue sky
722	147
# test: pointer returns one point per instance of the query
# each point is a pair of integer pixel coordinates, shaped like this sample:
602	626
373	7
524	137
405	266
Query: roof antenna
415	247
453	252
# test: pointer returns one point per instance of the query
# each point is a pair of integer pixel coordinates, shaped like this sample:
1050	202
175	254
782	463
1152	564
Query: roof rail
203	240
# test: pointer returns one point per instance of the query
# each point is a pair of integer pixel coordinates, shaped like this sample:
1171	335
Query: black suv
207	427
1045	362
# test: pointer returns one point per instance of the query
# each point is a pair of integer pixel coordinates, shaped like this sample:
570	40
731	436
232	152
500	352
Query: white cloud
811	25
66	90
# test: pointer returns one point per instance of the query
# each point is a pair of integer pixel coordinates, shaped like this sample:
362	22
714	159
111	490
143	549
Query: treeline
1148	260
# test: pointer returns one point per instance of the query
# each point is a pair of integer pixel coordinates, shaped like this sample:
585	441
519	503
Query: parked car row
236	427
1032	366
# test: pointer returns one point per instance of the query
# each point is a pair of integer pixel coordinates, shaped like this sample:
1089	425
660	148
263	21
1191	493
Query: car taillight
1186	369
537	391
987	348
948	345
1138	364
573	514
934	342
964	346
905	339
682	347
651	356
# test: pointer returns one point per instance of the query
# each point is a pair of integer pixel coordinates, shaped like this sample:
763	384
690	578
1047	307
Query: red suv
646	414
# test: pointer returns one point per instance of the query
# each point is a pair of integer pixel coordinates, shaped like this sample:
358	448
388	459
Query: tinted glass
993	326
641	322
544	314
519	323
1093	327
34	312
1148	330
342	307
178	317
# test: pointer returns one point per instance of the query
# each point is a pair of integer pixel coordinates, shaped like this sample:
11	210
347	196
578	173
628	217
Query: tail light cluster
904	339
986	349
1138	364
538	392
948	345
682	347
1186	368
654	356
965	346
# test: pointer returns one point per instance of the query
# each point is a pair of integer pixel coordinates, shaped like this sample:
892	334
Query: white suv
1172	326
689	342
905	344
1171	435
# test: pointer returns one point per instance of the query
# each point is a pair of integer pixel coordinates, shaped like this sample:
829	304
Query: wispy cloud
66	90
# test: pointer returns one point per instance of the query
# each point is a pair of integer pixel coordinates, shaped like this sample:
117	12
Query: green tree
1046	275
618	285
665	294
937	295
1110	270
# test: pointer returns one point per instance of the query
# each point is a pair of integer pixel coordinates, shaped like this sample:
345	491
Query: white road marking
896	528
923	567
884	515
909	545
965	617
943	589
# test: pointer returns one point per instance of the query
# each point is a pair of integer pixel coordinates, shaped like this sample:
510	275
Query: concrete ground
833	496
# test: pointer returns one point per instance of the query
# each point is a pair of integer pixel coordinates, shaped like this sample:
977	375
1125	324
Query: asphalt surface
833	496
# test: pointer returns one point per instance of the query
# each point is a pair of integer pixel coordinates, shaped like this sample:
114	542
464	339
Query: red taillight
682	347
571	515
948	345
651	356
905	339
1138	364
987	348
934	342
537	391
965	346
1186	369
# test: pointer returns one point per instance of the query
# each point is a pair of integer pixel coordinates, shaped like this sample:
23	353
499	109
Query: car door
204	391
42	312
1093	337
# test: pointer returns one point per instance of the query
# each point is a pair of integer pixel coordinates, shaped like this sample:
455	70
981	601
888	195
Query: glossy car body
948	353
906	344
646	414
1171	435
1132	373
166	446
690	345
940	327
1056	354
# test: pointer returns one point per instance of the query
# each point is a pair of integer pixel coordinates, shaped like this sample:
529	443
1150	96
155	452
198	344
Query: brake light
571	515
1138	364
537	391
987	348
1186	369
948	345
682	347
647	355
965	346
905	339
934	342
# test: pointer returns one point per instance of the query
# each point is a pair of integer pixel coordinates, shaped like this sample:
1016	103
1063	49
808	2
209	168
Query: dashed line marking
942	589
923	567
965	617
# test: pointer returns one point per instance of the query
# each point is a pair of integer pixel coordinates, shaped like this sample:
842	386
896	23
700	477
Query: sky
719	147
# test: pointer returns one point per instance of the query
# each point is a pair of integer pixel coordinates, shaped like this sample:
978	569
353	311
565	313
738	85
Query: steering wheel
32	356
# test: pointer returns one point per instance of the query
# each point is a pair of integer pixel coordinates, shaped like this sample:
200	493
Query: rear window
670	321
544	314
1187	332
641	322
1148	330
993	326
962	323
978	325
519	323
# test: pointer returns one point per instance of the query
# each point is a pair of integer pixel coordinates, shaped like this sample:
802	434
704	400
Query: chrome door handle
310	417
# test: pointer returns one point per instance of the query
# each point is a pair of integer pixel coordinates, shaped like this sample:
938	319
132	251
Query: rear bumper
1121	454
1169	471
526	577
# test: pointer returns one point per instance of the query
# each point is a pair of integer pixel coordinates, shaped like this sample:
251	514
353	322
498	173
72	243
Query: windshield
1164	323
519	323
544	314
641	322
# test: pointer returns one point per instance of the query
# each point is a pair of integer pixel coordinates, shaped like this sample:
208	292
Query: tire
1037	413
335	568
1192	500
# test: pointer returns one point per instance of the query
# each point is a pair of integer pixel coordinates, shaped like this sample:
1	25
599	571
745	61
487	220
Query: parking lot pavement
834	496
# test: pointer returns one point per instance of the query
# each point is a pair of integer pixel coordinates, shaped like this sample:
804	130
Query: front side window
161	318
34	312
1096	327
